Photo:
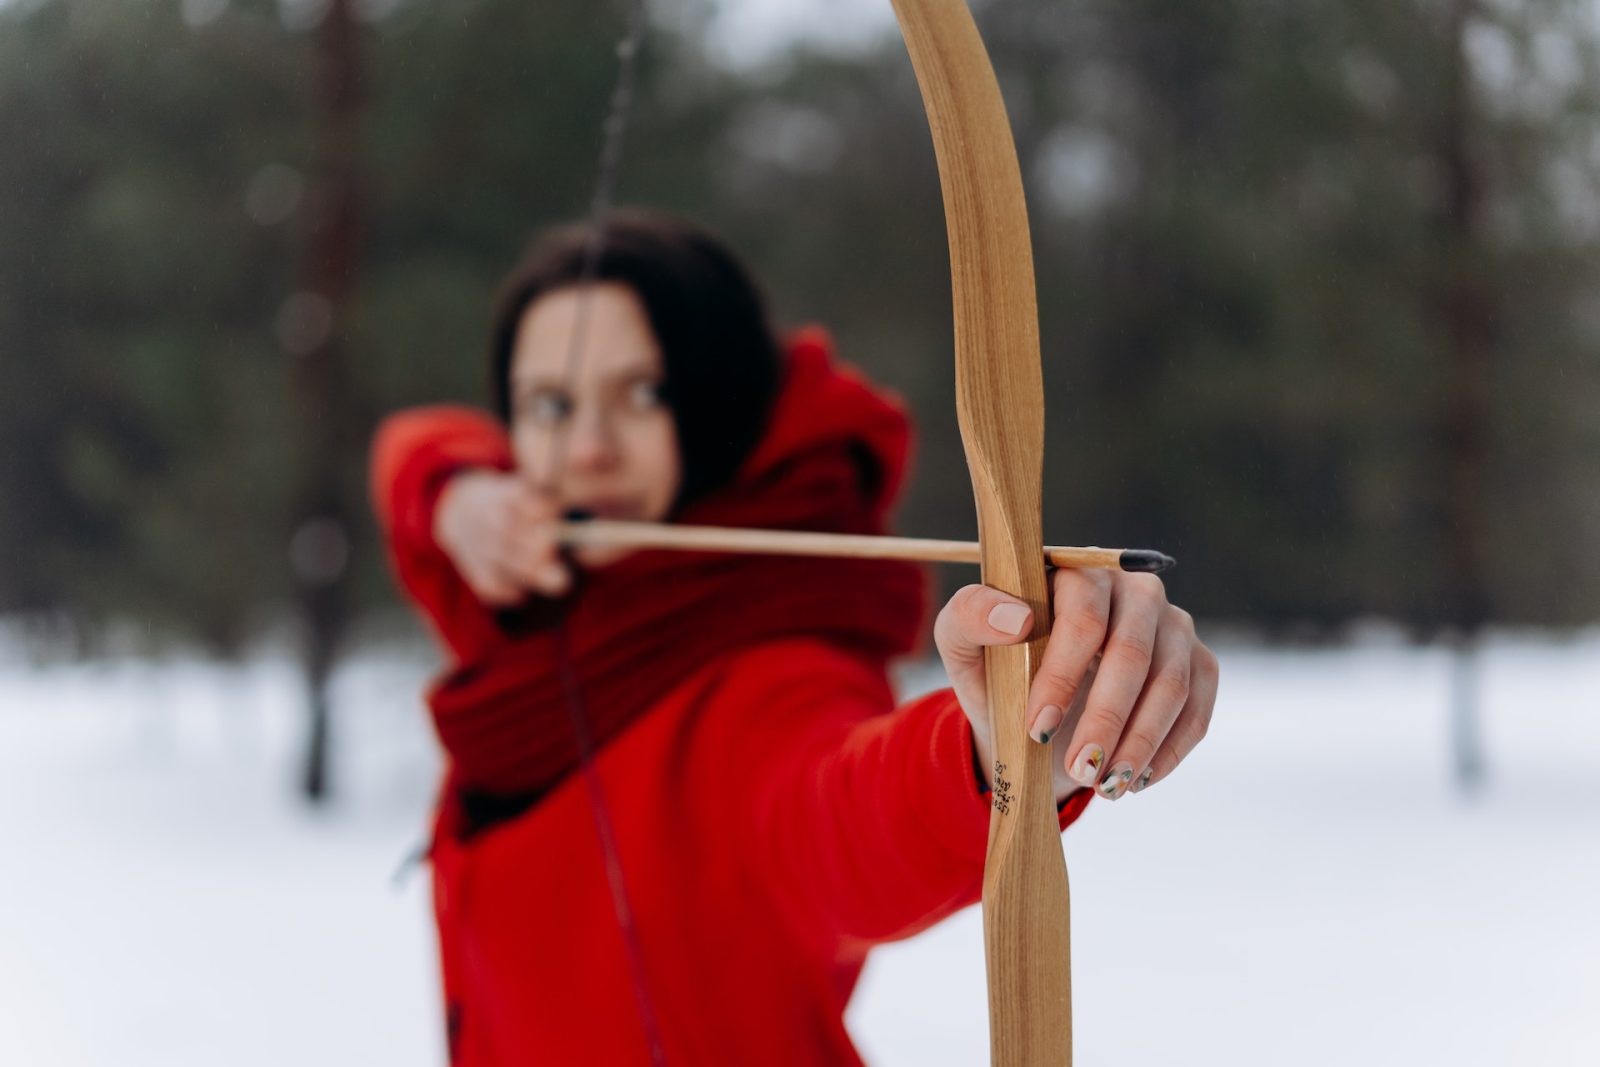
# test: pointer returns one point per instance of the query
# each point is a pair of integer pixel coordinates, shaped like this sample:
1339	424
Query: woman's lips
602	509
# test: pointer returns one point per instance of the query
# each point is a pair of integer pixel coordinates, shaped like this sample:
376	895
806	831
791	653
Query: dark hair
722	360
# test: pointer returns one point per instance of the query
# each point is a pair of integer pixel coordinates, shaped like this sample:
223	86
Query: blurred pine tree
1237	212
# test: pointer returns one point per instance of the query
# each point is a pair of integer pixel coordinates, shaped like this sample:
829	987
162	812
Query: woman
682	804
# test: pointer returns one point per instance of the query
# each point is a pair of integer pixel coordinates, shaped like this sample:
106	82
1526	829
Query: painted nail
1144	780
1008	618
1116	783
1048	722
1086	768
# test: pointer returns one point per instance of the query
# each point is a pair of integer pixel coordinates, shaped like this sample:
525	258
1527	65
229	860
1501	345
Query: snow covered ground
1310	891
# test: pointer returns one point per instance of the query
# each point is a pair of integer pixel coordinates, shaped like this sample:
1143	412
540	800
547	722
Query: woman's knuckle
1173	683
1101	719
1131	648
1088	621
966	599
1058	679
1145	587
960	616
1139	740
1067	579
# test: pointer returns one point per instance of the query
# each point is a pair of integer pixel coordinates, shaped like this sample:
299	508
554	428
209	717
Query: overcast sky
747	27
747	31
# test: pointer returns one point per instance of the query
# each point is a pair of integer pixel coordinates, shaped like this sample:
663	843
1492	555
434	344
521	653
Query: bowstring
618	112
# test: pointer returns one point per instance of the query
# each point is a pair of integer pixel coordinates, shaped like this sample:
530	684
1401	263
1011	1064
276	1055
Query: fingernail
1116	783
1009	618
1144	780
1086	768
1048	722
555	579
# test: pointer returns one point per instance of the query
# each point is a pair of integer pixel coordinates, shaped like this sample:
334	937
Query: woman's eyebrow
536	380
527	383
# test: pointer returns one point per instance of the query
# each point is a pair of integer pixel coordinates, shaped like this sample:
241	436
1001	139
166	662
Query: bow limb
1000	404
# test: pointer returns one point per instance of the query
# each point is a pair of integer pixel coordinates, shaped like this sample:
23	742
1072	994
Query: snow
164	900
1310	889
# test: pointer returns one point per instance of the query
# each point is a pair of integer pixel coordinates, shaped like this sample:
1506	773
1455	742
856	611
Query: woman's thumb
976	617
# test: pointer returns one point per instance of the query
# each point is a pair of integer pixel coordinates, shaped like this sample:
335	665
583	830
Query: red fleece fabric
775	814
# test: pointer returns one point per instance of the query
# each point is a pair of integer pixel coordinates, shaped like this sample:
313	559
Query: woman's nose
594	441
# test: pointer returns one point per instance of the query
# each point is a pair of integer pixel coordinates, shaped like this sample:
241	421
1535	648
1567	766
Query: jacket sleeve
868	822
414	453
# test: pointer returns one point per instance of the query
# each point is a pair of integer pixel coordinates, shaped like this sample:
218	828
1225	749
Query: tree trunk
311	330
1467	315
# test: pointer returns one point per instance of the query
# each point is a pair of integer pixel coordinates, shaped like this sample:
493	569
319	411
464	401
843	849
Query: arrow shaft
613	534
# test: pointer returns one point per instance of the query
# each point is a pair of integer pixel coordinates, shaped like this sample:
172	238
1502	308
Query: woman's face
618	453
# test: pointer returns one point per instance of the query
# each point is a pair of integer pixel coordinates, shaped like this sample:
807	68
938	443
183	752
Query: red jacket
775	815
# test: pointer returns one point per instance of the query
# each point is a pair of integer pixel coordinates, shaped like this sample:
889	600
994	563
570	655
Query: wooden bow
1000	404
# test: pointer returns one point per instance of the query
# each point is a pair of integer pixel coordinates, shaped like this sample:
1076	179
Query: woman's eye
546	408
644	395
